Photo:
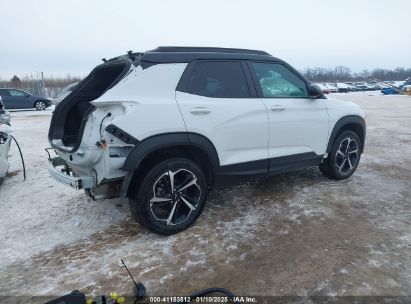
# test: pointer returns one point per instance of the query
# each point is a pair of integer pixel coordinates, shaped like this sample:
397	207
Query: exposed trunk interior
70	115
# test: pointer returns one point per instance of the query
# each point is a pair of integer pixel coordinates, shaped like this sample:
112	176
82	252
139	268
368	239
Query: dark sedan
17	99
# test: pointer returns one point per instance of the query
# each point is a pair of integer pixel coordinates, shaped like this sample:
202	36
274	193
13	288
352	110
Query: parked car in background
372	87
361	86
331	87
323	88
375	86
342	87
351	87
398	84
64	93
406	83
18	99
389	91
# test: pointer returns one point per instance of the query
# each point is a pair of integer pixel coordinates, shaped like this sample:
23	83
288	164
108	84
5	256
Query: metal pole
42	85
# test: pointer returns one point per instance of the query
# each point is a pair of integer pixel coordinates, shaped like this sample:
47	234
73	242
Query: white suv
164	126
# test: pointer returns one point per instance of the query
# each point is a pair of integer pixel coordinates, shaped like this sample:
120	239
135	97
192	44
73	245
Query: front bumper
62	173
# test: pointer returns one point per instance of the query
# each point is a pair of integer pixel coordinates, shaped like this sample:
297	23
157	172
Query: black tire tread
328	167
139	209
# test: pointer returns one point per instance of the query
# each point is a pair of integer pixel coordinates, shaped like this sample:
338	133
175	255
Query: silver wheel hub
347	155
41	105
176	194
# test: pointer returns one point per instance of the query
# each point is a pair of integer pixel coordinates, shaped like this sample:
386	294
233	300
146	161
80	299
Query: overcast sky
70	37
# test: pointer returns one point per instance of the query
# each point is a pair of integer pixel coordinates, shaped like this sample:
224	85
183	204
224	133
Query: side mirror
26	95
315	92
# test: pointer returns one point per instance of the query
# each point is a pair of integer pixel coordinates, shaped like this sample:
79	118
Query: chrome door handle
200	111
277	108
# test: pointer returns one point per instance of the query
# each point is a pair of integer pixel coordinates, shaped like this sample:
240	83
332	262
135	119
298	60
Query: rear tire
344	157
170	197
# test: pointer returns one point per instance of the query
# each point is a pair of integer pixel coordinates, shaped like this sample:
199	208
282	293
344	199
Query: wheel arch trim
156	142
345	121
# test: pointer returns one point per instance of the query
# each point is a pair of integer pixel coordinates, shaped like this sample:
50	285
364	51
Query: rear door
4	93
298	124
218	100
19	99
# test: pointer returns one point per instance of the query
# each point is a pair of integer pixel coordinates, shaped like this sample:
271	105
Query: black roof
196	49
183	54
178	54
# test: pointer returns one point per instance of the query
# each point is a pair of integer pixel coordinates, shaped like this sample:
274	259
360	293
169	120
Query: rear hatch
70	115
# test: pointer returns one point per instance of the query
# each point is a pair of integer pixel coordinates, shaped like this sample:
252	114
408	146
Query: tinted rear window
218	79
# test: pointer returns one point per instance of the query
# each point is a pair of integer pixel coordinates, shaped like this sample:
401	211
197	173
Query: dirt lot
292	234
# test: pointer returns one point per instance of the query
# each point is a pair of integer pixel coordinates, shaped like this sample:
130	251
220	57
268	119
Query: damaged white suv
164	126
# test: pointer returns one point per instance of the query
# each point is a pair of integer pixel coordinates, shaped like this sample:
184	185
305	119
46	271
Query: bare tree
343	74
15	82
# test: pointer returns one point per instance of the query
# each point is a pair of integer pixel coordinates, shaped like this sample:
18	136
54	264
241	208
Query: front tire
344	157
40	105
170	197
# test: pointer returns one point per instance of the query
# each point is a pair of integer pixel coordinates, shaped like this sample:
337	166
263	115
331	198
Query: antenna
140	289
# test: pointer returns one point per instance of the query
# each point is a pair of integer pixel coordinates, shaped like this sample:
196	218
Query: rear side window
223	79
276	80
16	93
4	93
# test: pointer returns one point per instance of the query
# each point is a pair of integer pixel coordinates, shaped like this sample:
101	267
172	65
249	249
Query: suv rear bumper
62	173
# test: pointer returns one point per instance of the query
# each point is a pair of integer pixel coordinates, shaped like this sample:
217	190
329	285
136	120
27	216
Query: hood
343	107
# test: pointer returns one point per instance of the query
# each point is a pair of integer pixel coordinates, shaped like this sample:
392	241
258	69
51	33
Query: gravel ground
292	234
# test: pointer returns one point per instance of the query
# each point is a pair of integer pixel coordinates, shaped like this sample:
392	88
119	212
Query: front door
7	99
298	124
18	99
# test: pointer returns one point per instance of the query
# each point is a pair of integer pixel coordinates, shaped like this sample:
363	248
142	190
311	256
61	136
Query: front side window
218	79
16	93
276	80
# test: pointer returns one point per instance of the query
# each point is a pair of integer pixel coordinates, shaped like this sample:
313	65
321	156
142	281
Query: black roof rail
195	49
182	54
